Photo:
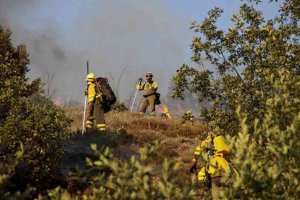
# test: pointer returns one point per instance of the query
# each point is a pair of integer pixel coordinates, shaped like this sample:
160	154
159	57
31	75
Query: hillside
127	132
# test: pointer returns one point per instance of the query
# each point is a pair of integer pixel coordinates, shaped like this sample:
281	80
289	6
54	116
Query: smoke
133	36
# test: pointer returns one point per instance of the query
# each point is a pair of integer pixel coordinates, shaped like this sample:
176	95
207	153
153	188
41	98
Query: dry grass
134	123
130	131
178	138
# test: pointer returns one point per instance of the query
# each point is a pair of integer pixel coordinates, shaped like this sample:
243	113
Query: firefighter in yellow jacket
213	151
166	113
188	117
149	87
95	109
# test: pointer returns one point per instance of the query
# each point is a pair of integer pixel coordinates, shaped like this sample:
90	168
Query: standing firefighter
95	104
213	151
150	95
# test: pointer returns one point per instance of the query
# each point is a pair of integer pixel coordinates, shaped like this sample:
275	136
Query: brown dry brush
129	131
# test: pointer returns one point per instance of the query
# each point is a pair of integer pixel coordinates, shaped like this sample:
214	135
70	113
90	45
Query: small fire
161	107
58	101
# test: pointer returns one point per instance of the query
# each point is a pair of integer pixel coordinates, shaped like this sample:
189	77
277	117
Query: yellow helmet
189	112
217	129
90	77
166	109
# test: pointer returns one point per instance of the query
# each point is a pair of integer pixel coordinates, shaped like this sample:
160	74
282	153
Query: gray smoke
117	37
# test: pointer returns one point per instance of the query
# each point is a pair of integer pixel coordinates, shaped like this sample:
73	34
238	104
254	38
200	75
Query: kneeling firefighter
100	98
166	113
214	151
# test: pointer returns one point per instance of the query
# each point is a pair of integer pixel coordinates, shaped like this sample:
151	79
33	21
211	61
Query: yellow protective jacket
216	167
216	164
92	92
148	87
167	115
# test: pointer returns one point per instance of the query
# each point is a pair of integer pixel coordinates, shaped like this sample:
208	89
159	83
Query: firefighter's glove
140	80
85	92
99	96
193	169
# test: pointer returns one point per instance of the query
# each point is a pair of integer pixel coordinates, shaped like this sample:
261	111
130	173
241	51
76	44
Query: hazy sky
139	35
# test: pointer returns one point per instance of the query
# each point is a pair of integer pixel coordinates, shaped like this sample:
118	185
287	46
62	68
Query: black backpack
157	98
108	96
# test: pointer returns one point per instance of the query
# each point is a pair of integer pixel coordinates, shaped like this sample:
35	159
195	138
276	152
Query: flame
58	102
161	107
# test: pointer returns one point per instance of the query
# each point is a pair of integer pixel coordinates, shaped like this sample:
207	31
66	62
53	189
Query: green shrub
255	71
267	157
239	59
119	106
40	127
134	179
30	119
7	171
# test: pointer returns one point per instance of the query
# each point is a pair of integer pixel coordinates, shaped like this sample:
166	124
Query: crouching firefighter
214	152
150	96
166	113
95	110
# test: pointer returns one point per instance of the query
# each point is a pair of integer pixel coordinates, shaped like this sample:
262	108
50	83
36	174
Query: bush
134	179
30	119
40	127
7	171
240	60
267	157
119	106
257	65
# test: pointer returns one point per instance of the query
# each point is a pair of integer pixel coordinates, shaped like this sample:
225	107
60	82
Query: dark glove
193	169
85	92
140	80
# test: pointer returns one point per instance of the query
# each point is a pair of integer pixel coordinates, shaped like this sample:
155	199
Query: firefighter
166	113
95	104
188	117
149	87
214	152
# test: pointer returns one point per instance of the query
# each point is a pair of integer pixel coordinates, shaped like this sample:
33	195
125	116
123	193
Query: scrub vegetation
255	101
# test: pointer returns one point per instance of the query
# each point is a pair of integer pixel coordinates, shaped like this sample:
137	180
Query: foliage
7	171
119	106
133	179
187	117
27	118
256	73
241	57
13	81
267	157
41	127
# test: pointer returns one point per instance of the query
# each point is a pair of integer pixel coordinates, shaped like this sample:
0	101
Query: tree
259	86
242	56
267	157
29	119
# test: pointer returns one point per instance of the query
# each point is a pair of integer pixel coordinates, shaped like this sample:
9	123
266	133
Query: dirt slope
127	132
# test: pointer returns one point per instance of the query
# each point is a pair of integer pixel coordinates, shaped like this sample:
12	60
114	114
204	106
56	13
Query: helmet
90	77
149	74
166	109
189	112
217	129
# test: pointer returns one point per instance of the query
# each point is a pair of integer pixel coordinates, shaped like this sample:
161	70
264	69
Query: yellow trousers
96	113
217	166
